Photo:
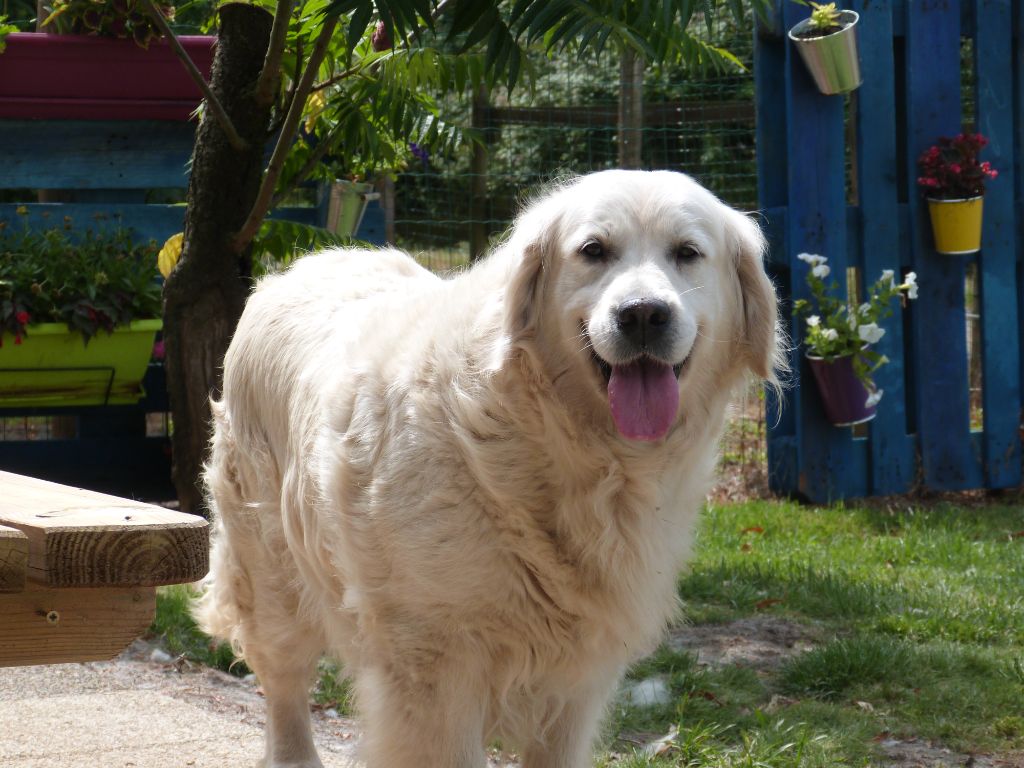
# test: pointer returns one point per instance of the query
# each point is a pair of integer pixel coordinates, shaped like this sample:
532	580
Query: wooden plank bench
79	569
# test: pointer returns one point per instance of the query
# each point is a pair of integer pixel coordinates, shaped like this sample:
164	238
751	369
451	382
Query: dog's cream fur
421	476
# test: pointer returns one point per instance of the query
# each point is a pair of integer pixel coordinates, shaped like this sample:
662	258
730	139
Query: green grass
182	637
917	620
919	611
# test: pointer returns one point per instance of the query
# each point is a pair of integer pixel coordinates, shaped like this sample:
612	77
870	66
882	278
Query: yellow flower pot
956	225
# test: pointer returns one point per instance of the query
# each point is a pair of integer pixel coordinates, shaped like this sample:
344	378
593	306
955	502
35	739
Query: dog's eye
592	249
685	253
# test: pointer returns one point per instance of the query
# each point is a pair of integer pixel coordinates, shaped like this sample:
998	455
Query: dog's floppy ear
521	297
530	249
760	334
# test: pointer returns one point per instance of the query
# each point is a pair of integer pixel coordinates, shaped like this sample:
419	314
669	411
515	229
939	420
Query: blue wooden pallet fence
111	169
860	207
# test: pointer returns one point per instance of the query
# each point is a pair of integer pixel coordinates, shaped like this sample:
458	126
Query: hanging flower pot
839	336
956	225
346	204
953	179
846	400
827	42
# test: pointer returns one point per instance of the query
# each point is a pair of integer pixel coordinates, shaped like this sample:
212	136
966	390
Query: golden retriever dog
477	492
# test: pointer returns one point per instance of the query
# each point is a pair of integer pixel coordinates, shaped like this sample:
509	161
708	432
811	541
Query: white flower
870	332
888	274
864	308
911	285
851	320
821	270
830	333
811	258
813	321
874	397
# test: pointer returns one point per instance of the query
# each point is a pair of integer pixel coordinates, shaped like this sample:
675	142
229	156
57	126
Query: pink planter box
73	77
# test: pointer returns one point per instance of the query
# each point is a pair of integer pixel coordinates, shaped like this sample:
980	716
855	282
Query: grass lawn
892	627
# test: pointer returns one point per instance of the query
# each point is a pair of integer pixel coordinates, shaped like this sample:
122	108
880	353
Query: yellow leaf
315	106
169	254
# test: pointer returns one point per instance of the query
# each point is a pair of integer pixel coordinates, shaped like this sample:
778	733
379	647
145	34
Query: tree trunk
205	294
631	109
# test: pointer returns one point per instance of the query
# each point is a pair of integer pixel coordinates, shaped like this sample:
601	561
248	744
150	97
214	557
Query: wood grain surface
79	538
51	626
13	559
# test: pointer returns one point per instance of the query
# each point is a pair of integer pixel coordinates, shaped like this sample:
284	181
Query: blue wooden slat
770	91
891	449
156	222
933	91
94	155
998	269
832	464
147	222
1018	165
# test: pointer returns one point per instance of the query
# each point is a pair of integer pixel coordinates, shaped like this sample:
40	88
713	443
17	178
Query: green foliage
280	242
117	18
825	17
174	624
90	281
333	690
5	29
373	103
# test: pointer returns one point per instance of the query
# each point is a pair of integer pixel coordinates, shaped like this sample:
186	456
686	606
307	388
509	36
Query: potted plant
953	180
78	315
838	338
827	42
106	63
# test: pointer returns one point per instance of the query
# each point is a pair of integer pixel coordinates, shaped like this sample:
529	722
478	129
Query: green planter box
54	367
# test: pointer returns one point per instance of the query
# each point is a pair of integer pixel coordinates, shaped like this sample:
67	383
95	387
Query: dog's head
634	287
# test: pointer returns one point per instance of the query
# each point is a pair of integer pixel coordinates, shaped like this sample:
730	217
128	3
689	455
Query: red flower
17	339
21	317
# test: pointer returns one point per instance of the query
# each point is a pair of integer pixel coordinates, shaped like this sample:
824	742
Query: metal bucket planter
956	225
52	366
346	205
832	58
842	393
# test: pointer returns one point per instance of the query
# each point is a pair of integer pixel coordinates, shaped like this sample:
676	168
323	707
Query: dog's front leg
432	716
569	741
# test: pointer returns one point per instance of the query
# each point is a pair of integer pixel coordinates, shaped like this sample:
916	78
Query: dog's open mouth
643	394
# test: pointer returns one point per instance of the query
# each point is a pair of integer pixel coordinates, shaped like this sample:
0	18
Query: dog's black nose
643	321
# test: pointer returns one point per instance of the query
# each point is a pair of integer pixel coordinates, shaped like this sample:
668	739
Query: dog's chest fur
572	566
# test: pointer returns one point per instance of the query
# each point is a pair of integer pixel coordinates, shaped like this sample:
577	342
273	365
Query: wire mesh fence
584	115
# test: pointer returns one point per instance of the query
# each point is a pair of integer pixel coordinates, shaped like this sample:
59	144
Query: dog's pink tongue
644	398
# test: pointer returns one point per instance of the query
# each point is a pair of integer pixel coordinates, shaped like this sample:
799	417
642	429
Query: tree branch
291	123
270	74
236	141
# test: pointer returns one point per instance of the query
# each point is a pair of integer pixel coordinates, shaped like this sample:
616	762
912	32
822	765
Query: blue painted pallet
910	59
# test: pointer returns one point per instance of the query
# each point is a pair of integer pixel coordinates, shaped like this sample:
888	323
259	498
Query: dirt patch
920	754
760	642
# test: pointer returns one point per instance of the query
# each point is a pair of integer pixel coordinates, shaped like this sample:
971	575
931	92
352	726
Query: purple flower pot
842	393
